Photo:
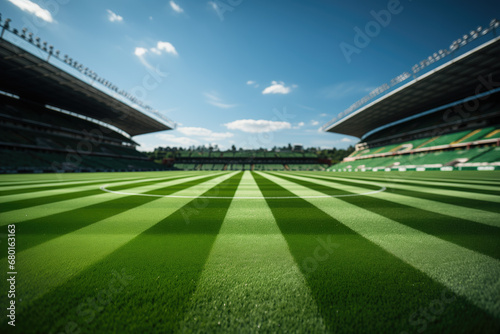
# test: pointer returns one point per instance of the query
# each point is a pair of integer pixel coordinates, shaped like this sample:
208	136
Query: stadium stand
252	160
52	120
446	119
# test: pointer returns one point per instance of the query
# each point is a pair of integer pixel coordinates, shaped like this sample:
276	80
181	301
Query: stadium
401	235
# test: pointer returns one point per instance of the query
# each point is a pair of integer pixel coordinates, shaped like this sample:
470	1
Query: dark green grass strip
432	196
161	269
477	237
29	202
361	288
40	230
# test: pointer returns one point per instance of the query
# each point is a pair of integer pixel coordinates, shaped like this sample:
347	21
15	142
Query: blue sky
253	73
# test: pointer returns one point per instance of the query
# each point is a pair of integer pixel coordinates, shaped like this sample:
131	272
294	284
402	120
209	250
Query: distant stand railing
437	56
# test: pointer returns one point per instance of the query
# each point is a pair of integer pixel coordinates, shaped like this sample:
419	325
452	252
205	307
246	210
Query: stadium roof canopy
37	80
457	79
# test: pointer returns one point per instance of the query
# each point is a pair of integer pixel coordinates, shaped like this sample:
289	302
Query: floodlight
23	35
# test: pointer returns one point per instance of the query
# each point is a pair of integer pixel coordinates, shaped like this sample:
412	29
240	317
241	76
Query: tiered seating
488	155
39	139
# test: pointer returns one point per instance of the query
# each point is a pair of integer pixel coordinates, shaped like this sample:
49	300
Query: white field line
104	188
48	265
250	255
465	272
475	215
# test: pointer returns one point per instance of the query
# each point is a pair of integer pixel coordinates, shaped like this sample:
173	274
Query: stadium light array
436	56
28	36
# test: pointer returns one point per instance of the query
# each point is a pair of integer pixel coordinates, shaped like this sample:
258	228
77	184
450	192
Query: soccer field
245	252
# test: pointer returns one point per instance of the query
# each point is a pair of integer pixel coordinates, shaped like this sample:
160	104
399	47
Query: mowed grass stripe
162	266
5	191
465	272
28	209
251	282
493	180
470	201
465	193
456	177
37	231
50	264
53	192
481	177
359	286
478	237
446	185
458	211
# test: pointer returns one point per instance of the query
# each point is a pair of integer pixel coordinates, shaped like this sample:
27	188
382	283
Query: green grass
253	252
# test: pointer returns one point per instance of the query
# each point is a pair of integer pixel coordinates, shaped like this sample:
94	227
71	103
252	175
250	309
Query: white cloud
314	123
277	87
33	8
172	140
299	125
176	7
205	134
324	115
139	52
252	83
215	100
257	126
113	17
167	47
213	5
160	46
164	46
346	140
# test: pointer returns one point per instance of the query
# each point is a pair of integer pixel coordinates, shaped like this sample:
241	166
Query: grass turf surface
254	251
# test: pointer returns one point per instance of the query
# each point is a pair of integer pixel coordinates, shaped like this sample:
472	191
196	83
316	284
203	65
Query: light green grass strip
251	282
475	215
50	264
44	210
465	272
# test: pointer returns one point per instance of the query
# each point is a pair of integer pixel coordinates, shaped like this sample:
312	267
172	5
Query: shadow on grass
40	230
358	286
164	264
477	237
435	196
